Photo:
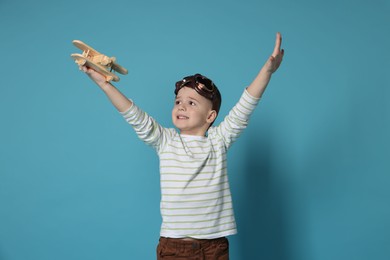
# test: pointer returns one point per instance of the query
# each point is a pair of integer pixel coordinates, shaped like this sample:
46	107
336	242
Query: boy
196	205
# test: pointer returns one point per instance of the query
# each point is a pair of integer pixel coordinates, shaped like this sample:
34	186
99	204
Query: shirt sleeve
146	127
237	119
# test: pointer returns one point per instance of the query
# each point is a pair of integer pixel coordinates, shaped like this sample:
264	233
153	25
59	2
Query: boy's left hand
276	58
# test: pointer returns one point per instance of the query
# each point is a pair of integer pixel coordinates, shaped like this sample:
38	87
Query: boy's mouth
182	117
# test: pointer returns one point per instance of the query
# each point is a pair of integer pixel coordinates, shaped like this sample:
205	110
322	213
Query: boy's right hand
98	78
121	102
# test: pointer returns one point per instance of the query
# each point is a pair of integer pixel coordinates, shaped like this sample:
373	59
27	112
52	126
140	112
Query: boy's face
192	113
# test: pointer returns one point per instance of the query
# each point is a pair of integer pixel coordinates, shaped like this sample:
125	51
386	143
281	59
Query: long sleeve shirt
196	200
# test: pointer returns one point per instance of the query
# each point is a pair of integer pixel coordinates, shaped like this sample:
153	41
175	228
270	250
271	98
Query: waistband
191	244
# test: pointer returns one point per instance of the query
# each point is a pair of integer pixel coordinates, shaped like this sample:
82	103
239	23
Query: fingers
278	43
87	70
276	58
83	68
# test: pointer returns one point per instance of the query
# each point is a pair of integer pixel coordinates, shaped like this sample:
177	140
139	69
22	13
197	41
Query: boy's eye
192	103
177	102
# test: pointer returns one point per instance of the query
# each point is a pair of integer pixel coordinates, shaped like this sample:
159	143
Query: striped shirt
195	195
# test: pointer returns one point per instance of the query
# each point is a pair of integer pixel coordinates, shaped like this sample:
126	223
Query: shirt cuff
131	110
249	98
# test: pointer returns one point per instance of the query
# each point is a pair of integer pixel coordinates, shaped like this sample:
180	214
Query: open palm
276	58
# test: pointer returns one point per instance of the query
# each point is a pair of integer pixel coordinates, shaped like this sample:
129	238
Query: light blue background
310	176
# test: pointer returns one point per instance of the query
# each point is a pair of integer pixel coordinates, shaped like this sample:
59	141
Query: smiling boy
196	204
196	106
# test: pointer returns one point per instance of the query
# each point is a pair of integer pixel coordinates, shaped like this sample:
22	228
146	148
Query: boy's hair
209	90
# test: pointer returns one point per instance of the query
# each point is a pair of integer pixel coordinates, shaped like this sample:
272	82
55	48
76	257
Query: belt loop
202	256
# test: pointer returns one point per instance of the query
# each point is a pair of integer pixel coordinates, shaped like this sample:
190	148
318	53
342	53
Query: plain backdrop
310	175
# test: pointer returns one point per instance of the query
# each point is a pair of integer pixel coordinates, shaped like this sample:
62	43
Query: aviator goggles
200	83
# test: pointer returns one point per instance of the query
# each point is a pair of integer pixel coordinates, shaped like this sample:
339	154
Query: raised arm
259	84
120	101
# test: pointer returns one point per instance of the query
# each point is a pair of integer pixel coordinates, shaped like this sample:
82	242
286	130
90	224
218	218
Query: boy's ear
212	116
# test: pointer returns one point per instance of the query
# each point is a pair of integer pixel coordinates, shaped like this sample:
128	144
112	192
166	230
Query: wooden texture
97	61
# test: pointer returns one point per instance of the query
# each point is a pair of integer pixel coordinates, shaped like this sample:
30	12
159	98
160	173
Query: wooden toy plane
97	61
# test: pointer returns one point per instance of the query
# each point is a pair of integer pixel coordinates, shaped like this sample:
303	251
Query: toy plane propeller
97	61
